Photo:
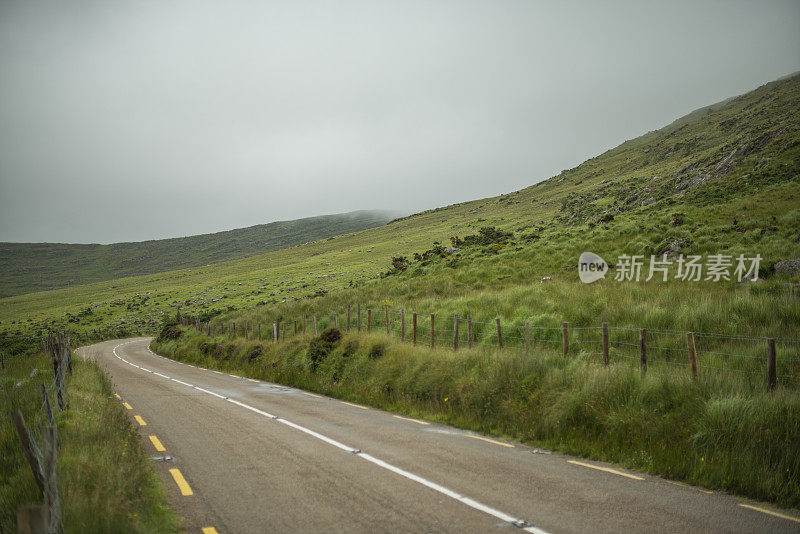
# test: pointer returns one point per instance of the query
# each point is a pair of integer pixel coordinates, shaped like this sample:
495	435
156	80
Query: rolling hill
29	267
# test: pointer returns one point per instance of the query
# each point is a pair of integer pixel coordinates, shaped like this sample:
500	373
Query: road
250	456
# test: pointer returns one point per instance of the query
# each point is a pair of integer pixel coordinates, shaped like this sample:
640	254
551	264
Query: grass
716	431
105	480
30	267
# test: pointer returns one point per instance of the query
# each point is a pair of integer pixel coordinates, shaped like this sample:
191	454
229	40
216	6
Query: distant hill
29	267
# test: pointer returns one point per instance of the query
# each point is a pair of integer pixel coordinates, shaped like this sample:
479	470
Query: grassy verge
105	481
717	431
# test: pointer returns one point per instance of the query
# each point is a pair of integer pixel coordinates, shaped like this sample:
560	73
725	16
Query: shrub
169	332
252	353
320	347
377	351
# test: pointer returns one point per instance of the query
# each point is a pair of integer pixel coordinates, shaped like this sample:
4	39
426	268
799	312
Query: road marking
521	524
253	380
489	440
157	444
140	420
312	394
218	372
210	530
234	376
770	512
127	406
117	396
181	482
355	405
412	420
606	469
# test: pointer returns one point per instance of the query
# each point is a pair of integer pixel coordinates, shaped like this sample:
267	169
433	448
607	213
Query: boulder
790	266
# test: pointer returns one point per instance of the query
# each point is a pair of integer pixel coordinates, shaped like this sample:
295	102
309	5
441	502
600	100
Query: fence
775	359
42	453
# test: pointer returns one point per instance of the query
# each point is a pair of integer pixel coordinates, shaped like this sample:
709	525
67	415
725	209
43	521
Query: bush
320	347
377	351
252	353
169	332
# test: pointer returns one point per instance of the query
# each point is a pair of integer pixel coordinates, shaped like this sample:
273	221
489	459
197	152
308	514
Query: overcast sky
137	120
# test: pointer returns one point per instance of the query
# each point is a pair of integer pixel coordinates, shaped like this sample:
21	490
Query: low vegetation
105	480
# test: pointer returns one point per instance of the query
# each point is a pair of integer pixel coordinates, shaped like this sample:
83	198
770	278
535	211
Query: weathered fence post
29	449
469	331
771	364
386	316
358	317
283	332
335	321
369	319
565	337
2	360
433	331
643	349
605	344
692	354
527	339
295	327
348	317
275	331
499	333
402	326
455	332
314	320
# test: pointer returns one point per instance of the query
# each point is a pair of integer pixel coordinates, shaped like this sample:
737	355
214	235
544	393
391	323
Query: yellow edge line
606	469
210	530
251	380
355	405
127	406
117	396
181	482
157	444
412	420
311	394
234	376
490	440
140	420
674	483
770	512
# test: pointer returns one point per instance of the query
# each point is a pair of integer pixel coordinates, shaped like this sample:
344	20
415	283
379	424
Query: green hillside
29	267
721	180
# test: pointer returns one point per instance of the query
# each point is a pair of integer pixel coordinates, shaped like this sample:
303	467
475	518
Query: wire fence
776	360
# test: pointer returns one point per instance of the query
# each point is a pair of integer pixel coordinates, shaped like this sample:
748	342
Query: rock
672	249
648	201
452	250
545	279
790	266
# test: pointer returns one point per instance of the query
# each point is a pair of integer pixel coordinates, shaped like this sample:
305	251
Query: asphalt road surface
250	456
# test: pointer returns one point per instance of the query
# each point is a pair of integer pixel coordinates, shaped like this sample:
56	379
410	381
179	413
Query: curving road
250	456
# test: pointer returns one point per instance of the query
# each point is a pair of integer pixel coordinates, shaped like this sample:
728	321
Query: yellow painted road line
140	420
157	444
355	405
606	469
770	512
253	380
210	530
490	440
234	376
311	394
181	482
412	420
127	406
219	373
117	396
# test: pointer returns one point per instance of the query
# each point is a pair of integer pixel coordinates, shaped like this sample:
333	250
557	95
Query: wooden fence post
348	317
528	340
499	333
386	316
369	319
414	327
358	317
51	497
643	349
692	354
605	344
295	327
469	331
29	449
274	331
335	321
771	364
314	320
455	332
433	331
402	326
565	337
